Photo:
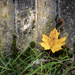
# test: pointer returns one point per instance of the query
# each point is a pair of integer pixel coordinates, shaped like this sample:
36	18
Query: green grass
24	62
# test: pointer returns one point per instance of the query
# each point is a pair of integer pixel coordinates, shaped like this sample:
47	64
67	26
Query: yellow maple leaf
52	42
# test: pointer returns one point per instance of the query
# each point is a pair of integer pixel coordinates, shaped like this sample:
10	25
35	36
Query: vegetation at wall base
30	62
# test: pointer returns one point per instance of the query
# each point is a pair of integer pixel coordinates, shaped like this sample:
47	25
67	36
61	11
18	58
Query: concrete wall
33	18
67	13
29	19
25	22
6	24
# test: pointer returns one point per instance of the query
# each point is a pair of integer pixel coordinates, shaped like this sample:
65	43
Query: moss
32	44
29	50
14	45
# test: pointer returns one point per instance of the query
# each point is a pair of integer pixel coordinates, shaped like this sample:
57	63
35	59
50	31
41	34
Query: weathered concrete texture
45	18
25	22
6	25
33	18
67	13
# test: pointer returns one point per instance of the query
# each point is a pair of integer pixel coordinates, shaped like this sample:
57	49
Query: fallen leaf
52	42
